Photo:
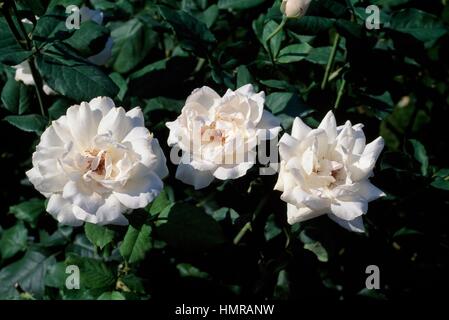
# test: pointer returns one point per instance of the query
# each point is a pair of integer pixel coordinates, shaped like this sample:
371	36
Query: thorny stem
330	62
26	45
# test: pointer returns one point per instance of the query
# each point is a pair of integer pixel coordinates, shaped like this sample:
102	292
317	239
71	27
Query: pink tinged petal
136	116
116	123
355	225
62	210
140	189
300	214
82	196
198	179
349	210
299	129
269	126
205	97
111	212
104	104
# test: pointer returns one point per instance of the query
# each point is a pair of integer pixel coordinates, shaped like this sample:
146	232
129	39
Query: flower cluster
98	162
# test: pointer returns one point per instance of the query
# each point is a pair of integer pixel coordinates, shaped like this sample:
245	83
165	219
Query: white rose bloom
23	72
97	162
218	135
326	171
295	8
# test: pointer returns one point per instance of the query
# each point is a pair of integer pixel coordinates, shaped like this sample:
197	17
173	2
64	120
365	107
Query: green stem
248	227
29	46
12	26
277	30
340	93
330	62
38	83
242	232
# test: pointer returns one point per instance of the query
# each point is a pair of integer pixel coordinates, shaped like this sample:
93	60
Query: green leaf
271	230
72	76
294	53
244	77
98	235
310	25
28	273
90	39
121	83
13	240
162	103
114	295
239	4
133	40
187	270
441	180
28	211
93	273
275	42
420	155
419	24
30	122
51	26
278	101
282	289
134	283
136	243
10	51
160	203
190	228
56	275
314	246
16	96
59	107
407	232
58	238
321	55
192	33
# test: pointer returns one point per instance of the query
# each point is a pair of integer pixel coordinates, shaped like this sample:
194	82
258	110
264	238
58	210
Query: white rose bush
270	150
